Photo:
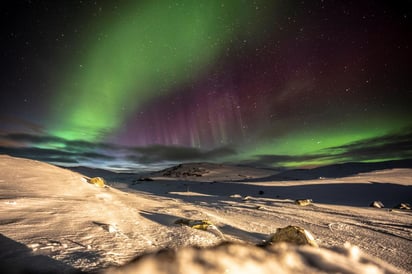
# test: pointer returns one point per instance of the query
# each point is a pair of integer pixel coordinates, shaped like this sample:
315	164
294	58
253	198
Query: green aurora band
146	51
143	53
325	144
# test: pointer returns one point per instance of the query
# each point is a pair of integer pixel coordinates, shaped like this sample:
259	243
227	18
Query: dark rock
185	171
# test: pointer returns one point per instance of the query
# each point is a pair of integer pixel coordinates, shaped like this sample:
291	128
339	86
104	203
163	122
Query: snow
53	220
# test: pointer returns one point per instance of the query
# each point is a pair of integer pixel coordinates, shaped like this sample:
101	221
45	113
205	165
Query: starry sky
132	85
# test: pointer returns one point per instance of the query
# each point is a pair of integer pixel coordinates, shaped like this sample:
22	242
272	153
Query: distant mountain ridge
205	169
339	170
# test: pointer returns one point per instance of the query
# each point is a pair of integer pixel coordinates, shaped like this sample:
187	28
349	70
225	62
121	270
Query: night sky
144	84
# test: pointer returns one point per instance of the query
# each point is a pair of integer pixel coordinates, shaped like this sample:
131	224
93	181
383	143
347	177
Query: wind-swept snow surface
53	220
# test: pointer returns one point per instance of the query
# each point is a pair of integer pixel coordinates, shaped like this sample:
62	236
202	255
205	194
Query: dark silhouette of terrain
188	170
336	170
17	258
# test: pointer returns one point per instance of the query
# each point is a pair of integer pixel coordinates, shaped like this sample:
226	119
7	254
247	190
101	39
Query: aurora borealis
127	84
143	53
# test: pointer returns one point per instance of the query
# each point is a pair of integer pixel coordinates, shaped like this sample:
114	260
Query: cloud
160	153
280	160
46	155
54	149
9	123
31	138
55	155
34	139
77	145
85	145
95	156
396	145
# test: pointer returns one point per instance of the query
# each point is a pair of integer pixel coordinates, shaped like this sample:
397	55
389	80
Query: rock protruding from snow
97	181
242	258
403	206
303	202
293	234
202	225
377	204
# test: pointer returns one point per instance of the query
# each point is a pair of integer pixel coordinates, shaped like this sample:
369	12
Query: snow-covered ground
52	220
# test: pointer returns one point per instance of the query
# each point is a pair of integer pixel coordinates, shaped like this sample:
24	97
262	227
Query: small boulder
97	181
147	179
247	198
197	224
201	225
303	202
293	234
405	206
377	204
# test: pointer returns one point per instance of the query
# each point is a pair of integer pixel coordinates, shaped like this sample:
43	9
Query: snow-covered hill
52	220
